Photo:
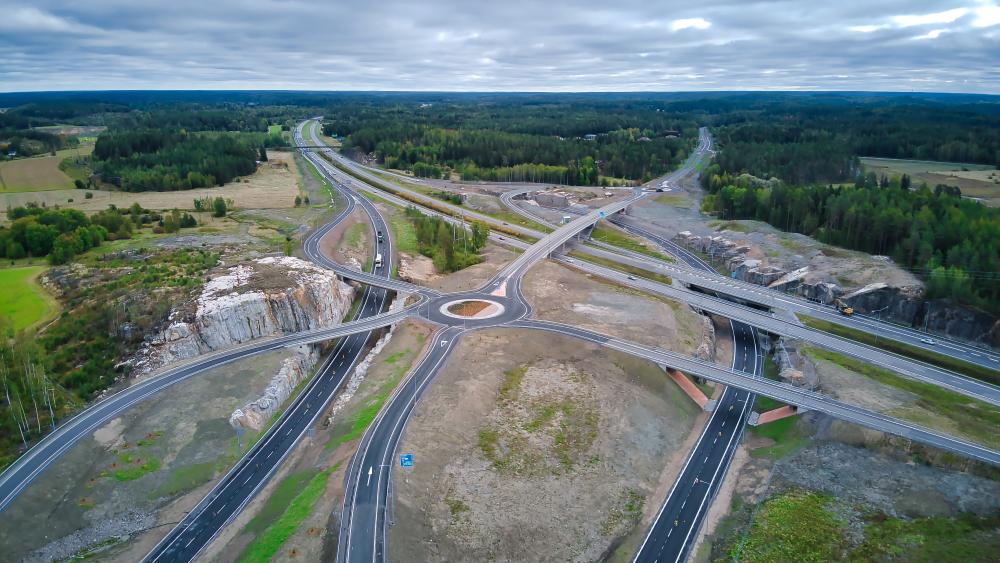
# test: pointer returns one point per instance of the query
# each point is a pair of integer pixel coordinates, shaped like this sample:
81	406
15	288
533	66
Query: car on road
631	278
928	341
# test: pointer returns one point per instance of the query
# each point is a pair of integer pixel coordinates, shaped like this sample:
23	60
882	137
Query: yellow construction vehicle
844	308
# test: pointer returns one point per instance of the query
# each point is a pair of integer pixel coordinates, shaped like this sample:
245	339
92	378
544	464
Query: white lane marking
369	482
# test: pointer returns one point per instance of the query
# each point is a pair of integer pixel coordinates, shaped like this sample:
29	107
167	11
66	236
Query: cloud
932	34
946	16
986	16
33	19
686	23
514	45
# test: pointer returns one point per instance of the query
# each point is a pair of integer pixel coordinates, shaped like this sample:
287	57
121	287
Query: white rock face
263	297
292	371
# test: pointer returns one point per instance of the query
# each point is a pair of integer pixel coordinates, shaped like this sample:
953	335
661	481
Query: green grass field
25	303
274	129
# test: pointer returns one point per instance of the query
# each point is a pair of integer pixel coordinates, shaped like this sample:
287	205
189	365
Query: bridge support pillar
690	389
756	418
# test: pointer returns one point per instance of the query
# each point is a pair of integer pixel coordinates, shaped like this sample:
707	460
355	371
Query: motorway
675	527
364	520
239	486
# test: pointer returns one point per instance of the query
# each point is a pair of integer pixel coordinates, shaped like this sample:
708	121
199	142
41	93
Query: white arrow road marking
368	484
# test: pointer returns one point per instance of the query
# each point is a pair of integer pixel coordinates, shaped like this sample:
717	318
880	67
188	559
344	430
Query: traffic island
477	309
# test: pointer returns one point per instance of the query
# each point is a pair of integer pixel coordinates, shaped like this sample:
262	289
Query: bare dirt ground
560	293
274	185
324	449
124	479
556	447
494	258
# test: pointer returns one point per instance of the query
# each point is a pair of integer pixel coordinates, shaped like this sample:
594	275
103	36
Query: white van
378	260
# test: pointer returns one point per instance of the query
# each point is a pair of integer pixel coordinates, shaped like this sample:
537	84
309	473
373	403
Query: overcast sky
506	45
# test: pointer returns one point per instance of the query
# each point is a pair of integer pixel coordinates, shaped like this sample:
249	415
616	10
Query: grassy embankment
940	360
354	424
617	238
935	406
286	508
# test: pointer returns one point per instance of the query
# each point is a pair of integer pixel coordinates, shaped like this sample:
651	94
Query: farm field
25	303
40	173
979	181
273	186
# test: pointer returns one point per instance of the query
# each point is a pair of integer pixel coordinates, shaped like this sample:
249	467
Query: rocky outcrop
706	349
292	372
262	297
904	305
794	368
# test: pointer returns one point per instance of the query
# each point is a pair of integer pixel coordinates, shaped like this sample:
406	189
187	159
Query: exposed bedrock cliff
262	297
899	304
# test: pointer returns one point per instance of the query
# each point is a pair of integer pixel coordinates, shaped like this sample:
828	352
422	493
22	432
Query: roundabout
477	309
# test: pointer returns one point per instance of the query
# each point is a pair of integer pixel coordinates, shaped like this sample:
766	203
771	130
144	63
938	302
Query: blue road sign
601	214
406	460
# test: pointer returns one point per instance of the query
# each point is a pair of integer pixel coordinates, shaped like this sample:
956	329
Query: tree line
518	140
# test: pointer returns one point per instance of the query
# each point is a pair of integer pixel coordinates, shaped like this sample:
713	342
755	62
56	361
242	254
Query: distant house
11	154
644	139
590	137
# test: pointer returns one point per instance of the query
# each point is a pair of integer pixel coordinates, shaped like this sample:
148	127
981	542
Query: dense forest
795	165
157	159
540	142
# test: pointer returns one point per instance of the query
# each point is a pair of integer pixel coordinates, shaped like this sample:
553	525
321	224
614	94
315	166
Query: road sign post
406	460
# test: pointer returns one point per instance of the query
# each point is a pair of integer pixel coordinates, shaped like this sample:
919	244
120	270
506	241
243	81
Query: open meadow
273	186
39	173
975	180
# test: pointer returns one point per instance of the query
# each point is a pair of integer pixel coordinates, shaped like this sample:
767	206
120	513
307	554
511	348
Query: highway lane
227	499
775	324
779	391
676	525
363	525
